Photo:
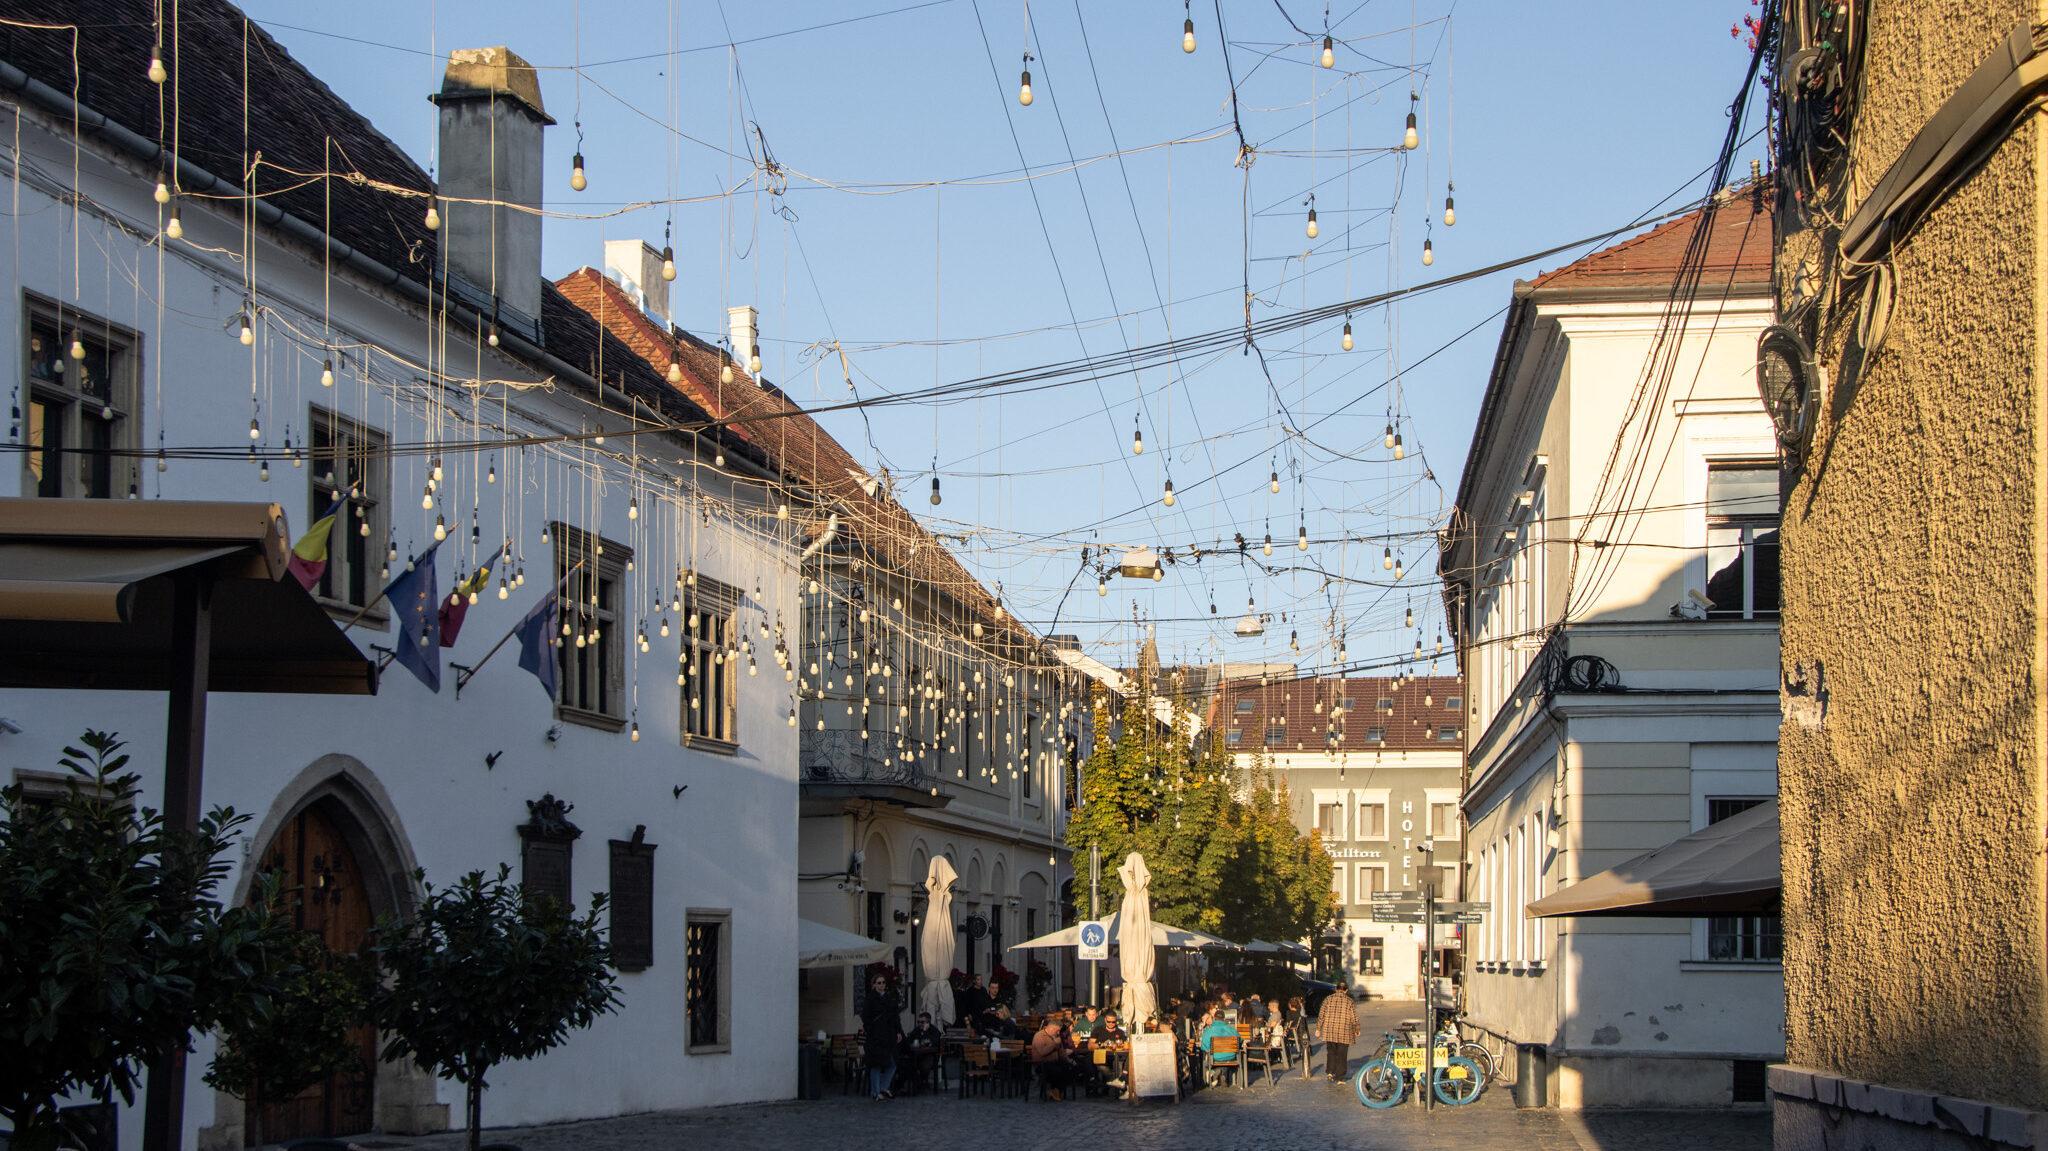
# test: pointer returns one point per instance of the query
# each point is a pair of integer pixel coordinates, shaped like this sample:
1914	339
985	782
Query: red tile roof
1411	725
793	443
1738	249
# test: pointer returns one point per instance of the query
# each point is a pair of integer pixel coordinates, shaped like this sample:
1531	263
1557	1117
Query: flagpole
464	677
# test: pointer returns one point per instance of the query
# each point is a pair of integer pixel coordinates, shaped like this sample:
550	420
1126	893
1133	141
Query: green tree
1119	782
481	974
113	947
301	1039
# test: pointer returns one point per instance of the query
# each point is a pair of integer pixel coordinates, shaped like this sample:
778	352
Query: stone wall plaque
632	903
547	850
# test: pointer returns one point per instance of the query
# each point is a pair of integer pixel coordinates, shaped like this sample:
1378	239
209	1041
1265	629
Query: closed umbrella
1135	956
935	951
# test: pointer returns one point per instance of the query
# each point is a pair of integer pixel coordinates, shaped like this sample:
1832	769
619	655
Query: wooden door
320	871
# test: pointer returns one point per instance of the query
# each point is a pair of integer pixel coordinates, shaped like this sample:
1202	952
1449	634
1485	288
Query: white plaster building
1611	578
363	790
1371	764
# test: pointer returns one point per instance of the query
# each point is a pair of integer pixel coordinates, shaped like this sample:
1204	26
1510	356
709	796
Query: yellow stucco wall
1913	580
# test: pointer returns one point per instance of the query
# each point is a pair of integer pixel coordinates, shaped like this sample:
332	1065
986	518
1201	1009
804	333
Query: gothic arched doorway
329	895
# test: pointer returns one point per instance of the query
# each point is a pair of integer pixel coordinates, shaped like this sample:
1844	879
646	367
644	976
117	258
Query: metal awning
1729	868
86	599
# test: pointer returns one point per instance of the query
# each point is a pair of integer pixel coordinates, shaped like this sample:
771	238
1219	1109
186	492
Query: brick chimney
491	150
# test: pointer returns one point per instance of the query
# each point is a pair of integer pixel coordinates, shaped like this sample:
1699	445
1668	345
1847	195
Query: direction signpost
1422	906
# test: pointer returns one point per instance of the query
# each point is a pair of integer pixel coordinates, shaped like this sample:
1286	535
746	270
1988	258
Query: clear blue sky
1562	122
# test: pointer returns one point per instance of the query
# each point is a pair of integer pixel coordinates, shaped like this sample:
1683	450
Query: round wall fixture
1789	380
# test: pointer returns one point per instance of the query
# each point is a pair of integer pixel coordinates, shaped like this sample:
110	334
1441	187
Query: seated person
1108	1031
1215	1027
1000	1022
1255	1008
1228	1008
1048	1054
924	1035
1085	1026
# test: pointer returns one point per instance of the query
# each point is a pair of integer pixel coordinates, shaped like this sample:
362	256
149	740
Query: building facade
1371	764
1611	580
1909	277
419	383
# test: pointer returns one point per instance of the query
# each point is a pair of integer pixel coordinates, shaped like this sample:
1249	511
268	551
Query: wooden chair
1256	1048
975	1068
1293	1039
851	1053
1225	1045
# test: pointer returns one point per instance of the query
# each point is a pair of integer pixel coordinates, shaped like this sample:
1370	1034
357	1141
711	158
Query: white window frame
1381	798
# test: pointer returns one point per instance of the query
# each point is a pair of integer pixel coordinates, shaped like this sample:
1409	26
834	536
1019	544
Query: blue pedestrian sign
1094	939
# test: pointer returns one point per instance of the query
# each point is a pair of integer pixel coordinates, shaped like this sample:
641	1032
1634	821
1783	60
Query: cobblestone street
1293	1113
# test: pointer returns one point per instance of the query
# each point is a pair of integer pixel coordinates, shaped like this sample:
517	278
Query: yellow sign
1456	1072
1410	1058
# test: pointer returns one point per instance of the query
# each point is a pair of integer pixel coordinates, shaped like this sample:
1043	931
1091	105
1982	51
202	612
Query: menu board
1153	1070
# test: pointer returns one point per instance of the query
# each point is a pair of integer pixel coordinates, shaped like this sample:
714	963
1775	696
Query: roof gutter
192	178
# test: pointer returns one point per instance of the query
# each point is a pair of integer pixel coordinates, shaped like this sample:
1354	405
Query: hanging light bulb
491	476
157	73
576	177
77	347
1301	541
433	220
1313	231
1408	620
754	361
1450	206
163	191
255	432
1024	92
792	717
263	473
327	373
1397	575
1399	451
1408	137
1169	493
1102	586
437	469
1269	543
1273	484
1137	438
1389	441
668	262
1329	53
173	228
675	372
633	508
1187	34
1428	253
440	529
503	591
1387	558
427	501
248	334
725	372
935	491
1347	336
163	463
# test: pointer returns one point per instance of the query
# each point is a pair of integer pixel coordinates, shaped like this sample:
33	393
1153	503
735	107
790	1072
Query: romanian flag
456	606
309	555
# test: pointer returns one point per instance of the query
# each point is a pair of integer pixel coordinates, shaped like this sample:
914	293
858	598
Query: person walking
1338	1026
881	1021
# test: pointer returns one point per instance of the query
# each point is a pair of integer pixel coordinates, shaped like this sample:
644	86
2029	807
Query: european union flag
415	599
536	647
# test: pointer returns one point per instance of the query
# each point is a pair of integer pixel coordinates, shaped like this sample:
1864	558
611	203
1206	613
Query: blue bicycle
1385	1079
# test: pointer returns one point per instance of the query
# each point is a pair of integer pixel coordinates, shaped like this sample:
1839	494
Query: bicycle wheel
1480	1056
1379	1084
1459	1083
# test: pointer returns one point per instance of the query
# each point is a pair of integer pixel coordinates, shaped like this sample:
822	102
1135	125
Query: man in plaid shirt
1338	1025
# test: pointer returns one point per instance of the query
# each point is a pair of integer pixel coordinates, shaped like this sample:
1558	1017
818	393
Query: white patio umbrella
935	950
1136	961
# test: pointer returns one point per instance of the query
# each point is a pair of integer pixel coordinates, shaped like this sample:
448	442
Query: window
348	458
707	959
877	913
1233	737
1330	819
1372	955
78	410
709	671
1375	735
1372	821
1386	703
1347	703
1371	877
1447	734
1742	938
1742	541
590	572
1443	821
1337	886
1275	735
1245	706
1453	702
